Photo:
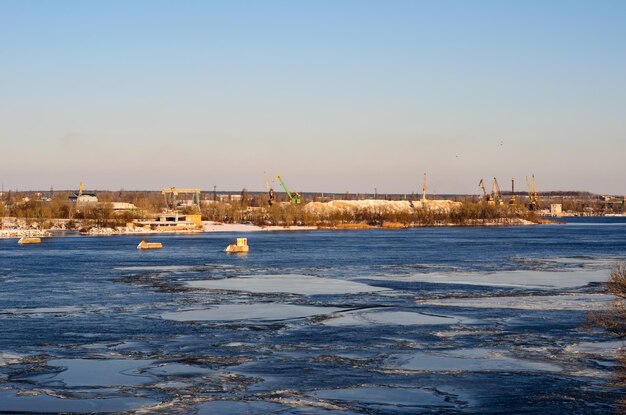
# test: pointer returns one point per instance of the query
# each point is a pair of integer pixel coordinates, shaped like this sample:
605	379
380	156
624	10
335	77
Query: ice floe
379	396
42	310
575	302
162	268
178	370
250	312
516	279
402	318
288	283
9	359
239	407
10	402
110	372
606	348
467	360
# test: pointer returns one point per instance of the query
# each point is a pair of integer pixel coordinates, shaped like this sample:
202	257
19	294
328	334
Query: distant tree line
250	207
467	213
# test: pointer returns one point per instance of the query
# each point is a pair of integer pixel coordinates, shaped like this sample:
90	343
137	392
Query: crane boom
270	190
481	184
174	191
533	201
497	194
294	198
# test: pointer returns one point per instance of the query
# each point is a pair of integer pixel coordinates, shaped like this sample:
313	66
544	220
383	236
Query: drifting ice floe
379	396
402	318
518	279
250	312
178	370
42	310
607	349
9	359
289	283
110	372
240	407
12	403
575	302
156	268
467	360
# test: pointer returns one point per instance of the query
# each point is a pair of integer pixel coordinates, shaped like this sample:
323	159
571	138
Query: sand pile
382	206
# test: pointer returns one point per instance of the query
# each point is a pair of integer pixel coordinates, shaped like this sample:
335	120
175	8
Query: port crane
486	197
533	200
294	198
270	191
497	194
171	195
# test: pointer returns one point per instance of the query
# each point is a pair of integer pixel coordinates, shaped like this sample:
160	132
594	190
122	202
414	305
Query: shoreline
24	233
218	227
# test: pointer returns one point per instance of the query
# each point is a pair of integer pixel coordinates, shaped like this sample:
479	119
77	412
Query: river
426	320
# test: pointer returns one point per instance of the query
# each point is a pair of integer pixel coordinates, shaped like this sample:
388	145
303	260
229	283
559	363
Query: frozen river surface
433	320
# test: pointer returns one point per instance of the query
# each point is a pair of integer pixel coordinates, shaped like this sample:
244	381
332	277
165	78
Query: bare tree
613	319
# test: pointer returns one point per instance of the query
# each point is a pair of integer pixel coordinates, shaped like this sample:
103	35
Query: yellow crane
487	198
270	191
533	199
171	195
497	194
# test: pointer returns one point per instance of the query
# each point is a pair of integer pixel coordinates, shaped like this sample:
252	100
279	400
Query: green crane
294	198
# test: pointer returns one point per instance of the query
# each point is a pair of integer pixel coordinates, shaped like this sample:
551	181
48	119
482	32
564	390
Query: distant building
122	206
84	198
172	222
228	197
222	198
556	209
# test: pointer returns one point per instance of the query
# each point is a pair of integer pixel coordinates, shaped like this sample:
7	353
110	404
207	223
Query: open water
428	320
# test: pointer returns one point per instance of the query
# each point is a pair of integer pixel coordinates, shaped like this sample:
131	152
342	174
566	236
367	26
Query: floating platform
27	240
240	247
149	245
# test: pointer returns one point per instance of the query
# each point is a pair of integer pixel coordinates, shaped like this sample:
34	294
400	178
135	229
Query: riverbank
210	227
22	233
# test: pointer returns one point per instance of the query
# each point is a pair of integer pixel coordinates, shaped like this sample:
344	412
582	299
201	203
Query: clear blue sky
336	95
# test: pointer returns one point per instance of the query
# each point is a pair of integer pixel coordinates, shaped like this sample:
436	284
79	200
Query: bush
613	319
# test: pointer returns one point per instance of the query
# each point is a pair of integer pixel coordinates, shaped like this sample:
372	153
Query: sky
334	95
